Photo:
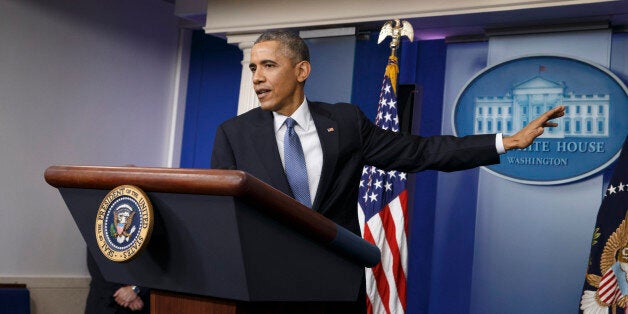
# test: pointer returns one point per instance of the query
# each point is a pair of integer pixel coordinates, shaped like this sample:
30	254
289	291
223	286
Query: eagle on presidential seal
122	221
612	283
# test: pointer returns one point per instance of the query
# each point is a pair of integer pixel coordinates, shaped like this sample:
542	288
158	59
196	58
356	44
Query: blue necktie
295	165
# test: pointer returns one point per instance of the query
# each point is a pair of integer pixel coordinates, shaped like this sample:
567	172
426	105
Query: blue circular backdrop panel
505	97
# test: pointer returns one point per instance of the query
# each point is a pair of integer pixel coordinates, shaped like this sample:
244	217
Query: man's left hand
534	129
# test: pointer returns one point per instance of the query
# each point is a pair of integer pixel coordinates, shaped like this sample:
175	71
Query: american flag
382	210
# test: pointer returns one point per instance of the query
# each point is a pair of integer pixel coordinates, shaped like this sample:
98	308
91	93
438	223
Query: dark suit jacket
349	141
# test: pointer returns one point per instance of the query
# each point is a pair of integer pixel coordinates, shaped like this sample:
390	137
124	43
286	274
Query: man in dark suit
337	140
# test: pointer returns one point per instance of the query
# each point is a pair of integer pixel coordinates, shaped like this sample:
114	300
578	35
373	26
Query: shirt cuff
499	144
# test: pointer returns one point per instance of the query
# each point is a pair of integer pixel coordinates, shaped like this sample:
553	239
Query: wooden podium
223	241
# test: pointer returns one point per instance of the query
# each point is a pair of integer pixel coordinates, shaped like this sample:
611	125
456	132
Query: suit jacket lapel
327	132
266	144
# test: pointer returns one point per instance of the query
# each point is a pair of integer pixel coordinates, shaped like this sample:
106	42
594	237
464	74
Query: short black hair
295	47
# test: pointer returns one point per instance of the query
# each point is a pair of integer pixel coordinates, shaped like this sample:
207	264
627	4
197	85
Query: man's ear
303	69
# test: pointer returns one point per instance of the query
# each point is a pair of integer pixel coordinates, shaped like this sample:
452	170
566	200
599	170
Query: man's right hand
534	129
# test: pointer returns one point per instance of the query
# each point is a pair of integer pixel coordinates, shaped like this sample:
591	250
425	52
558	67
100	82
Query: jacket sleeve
410	153
222	153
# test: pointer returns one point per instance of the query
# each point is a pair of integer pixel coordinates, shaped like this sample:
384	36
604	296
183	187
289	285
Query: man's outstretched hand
534	129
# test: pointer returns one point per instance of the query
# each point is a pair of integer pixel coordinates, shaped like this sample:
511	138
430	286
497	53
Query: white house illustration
585	115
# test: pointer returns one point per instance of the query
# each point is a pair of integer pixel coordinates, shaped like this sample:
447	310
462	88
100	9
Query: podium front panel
223	247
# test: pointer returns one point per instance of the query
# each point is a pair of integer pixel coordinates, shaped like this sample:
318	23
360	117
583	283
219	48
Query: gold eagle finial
396	29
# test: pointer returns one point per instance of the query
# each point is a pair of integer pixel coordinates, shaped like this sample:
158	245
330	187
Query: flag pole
382	205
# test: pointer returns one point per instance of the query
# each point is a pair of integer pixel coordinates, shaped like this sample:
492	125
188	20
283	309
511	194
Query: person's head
291	43
280	64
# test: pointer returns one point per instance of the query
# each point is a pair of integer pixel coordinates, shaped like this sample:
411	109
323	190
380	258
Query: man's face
276	80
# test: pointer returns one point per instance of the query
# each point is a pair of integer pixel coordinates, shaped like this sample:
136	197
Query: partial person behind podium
106	297
336	140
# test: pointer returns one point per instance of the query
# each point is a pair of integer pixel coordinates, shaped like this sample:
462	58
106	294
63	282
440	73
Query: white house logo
124	223
506	97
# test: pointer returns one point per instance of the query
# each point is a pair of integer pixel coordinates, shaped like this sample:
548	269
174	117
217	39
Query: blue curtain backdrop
212	96
368	73
423	64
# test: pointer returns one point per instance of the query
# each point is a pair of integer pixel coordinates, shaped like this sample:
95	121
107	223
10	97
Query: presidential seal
124	223
612	283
